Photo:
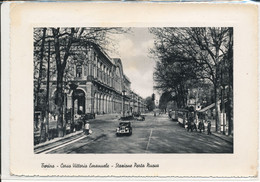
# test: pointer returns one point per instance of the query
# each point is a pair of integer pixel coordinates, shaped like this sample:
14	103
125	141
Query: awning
207	108
210	106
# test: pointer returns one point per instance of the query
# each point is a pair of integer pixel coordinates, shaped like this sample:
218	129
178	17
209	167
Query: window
79	71
86	71
117	71
95	57
95	71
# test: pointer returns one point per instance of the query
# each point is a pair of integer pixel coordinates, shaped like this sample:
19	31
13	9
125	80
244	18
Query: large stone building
97	84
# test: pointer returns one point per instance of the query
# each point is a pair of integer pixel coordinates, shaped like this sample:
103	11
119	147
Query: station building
97	84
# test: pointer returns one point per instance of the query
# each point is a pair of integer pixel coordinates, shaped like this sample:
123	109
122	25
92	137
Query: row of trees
149	102
199	57
54	50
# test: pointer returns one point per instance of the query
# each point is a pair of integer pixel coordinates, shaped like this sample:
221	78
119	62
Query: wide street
154	135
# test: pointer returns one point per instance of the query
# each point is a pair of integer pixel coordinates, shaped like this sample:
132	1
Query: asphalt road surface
154	135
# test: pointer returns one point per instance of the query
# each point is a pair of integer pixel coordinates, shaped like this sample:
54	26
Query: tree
149	103
165	98
67	45
191	55
39	63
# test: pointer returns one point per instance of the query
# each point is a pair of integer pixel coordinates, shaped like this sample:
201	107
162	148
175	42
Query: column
109	103
99	104
113	105
95	103
89	98
105	104
96	109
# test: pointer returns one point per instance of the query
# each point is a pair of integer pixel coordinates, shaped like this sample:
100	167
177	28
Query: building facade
97	84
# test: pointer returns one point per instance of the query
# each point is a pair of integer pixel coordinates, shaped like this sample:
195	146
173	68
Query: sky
133	49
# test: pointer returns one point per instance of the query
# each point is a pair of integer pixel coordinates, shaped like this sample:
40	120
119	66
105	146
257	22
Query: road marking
149	140
55	148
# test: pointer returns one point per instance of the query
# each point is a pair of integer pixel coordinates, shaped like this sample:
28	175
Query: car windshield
124	124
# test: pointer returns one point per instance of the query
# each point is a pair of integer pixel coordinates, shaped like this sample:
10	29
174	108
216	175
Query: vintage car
124	128
124	118
140	118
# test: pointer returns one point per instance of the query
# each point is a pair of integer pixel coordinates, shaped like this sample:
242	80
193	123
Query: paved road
154	135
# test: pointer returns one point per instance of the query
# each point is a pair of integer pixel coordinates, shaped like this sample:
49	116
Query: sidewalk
96	133
42	147
57	141
107	116
226	138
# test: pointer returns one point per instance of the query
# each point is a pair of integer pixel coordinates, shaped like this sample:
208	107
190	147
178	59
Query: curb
222	138
42	148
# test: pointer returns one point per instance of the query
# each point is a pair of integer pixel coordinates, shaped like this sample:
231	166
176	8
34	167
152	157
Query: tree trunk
40	69
229	104
177	96
216	108
230	83
60	71
60	100
47	92
182	96
42	129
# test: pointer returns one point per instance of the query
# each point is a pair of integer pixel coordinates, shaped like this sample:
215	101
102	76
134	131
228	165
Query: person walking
191	124
87	128
201	126
209	128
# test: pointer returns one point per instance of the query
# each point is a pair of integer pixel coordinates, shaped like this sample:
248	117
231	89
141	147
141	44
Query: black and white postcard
100	89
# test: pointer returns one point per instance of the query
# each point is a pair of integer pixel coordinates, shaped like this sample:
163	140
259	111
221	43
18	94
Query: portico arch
79	101
95	103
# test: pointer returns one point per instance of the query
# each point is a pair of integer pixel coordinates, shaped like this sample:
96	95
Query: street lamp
73	87
123	93
223	108
65	103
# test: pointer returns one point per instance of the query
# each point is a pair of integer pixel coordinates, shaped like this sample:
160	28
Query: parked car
124	128
88	116
140	118
127	118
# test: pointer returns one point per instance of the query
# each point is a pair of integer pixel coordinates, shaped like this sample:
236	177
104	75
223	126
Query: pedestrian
189	126
190	123
201	126
209	128
87	128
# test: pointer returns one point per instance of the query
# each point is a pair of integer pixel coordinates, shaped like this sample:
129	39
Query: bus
173	114
182	116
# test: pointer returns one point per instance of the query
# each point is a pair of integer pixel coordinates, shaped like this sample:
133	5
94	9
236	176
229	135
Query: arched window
79	71
95	57
117	72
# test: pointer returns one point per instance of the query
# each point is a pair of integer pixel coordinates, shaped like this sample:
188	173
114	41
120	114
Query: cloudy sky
133	49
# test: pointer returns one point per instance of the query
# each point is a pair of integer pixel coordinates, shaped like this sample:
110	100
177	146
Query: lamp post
73	87
123	93
66	91
223	108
